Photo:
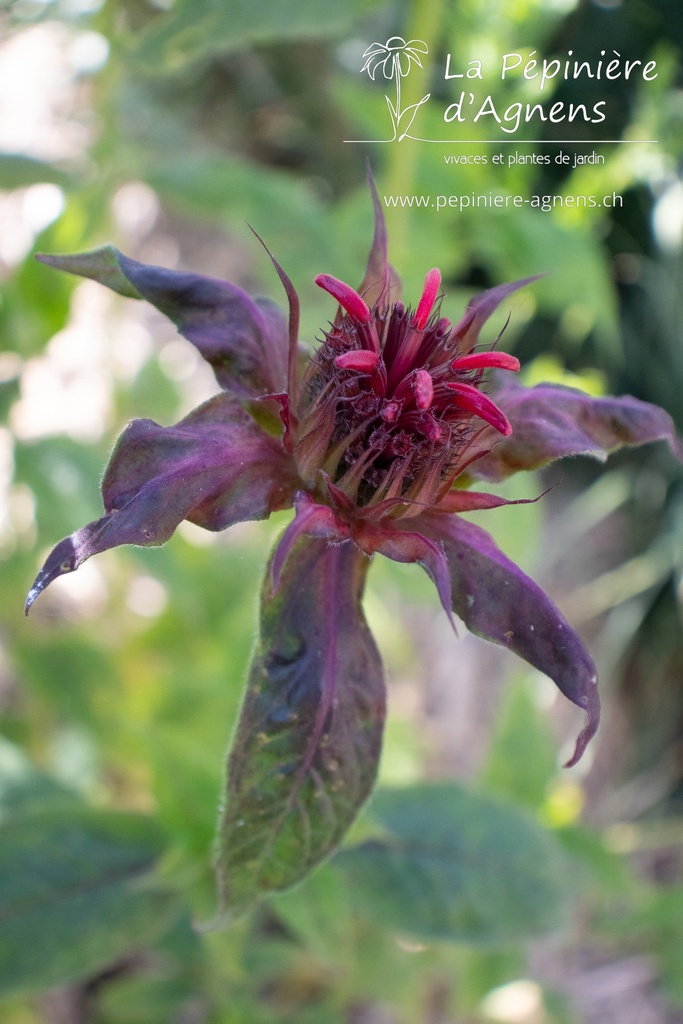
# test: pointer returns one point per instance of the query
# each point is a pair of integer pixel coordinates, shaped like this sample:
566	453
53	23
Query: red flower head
404	396
375	429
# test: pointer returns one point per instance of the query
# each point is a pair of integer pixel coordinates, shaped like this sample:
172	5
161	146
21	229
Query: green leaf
307	746
75	894
23	790
523	758
457	865
319	914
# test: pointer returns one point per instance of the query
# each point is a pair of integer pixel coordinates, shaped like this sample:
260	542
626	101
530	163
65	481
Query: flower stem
397	70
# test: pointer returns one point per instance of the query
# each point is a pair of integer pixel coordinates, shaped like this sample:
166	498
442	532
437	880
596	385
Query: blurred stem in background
424	22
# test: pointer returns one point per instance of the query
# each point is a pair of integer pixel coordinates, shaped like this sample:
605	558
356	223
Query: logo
498	115
395	58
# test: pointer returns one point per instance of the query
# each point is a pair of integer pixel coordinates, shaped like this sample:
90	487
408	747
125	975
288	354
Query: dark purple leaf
497	601
306	750
216	467
550	422
245	340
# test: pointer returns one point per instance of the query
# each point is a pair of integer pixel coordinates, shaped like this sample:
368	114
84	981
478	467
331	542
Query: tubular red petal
431	289
358	359
347	298
474	401
484	360
424	389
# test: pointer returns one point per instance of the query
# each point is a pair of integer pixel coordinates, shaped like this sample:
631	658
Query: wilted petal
215	468
550	422
245	340
497	601
305	754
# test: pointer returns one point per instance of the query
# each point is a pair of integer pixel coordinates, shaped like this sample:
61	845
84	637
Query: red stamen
347	298
483	360
424	389
358	359
431	288
474	401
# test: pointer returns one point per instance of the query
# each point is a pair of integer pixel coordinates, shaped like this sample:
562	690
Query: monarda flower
371	439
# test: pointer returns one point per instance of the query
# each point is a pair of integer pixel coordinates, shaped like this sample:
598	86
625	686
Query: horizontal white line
510	142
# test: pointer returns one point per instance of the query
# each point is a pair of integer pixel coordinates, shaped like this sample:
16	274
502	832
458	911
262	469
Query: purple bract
371	439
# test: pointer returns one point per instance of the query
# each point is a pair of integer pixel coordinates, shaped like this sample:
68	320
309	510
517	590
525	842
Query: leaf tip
590	703
40	583
31	596
63	559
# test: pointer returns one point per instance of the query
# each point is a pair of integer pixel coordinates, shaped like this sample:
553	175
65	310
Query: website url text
490	200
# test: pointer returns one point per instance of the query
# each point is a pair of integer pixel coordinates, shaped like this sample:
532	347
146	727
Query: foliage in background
115	724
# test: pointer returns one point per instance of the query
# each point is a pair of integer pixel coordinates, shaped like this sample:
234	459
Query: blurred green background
167	128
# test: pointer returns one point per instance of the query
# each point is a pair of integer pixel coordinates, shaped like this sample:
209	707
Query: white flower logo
395	58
